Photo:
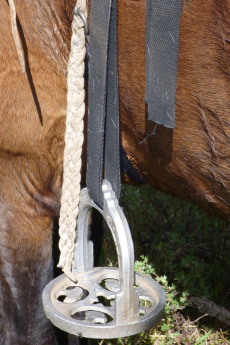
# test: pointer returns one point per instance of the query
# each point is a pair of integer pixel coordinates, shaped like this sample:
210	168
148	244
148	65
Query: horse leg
26	264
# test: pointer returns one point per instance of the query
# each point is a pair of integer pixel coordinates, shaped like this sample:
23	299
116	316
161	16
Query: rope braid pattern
73	144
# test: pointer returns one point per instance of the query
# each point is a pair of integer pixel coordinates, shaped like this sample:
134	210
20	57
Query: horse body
191	162
31	153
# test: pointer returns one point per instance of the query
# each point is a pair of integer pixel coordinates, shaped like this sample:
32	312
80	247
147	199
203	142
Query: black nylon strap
112	133
163	34
103	155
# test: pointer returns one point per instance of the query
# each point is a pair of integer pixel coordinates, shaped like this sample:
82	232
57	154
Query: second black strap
163	35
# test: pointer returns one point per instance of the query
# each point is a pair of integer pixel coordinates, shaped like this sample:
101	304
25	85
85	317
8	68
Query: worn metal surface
104	302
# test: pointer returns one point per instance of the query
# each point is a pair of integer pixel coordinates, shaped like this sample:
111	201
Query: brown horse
192	162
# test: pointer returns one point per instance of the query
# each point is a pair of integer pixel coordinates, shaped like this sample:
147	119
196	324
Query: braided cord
73	143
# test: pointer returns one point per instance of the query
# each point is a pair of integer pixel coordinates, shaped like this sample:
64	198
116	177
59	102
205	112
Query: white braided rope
73	144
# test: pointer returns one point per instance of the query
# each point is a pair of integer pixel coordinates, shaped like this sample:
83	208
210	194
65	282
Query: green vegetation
187	251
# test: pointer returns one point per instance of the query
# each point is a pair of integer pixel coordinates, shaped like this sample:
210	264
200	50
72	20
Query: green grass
187	251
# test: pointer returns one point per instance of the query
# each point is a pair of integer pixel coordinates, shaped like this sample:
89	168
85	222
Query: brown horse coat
191	162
